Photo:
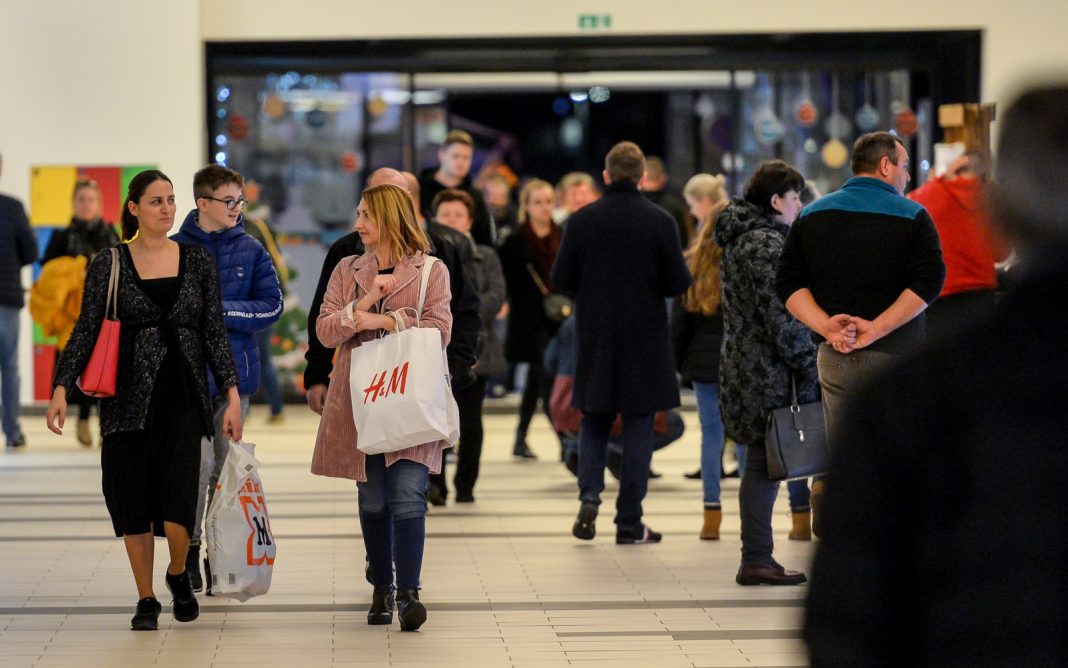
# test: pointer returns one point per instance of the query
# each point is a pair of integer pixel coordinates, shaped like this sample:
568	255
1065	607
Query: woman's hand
57	408
231	423
382	286
369	321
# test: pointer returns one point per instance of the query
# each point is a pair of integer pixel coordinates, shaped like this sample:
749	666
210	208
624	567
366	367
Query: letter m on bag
398	384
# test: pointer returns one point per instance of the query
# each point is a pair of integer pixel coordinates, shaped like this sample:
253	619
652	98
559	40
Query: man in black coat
941	547
621	258
464	305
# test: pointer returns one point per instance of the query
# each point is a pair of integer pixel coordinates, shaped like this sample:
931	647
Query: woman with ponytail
172	332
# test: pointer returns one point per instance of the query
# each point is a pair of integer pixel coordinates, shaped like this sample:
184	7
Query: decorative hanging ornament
238	126
838	125
377	106
350	162
767	127
868	117
905	123
274	107
316	118
834	154
806	112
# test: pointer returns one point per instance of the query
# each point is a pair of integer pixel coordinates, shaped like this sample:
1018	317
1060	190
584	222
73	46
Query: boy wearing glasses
251	302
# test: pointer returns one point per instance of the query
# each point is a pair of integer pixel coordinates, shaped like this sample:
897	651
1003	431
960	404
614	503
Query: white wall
1022	38
99	83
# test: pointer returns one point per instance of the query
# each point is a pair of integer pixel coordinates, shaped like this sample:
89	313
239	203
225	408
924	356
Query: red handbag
98	378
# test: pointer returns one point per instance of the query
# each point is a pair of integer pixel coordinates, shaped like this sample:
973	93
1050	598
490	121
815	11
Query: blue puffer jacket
251	297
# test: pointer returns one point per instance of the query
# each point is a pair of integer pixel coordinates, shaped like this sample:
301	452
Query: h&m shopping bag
240	543
401	393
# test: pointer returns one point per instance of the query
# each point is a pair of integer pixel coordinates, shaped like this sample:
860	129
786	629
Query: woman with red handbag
156	406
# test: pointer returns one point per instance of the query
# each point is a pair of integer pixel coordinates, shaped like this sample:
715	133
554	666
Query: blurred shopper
621	258
574	190
454	171
497	195
765	352
697	334
656	188
940	547
955	202
859	268
172	334
362	294
257	220
527	258
251	301
86	236
18	248
455	209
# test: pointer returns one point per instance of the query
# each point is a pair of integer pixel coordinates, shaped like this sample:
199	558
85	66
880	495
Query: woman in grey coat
764	347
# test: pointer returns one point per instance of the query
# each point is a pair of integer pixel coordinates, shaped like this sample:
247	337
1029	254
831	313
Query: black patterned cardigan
195	324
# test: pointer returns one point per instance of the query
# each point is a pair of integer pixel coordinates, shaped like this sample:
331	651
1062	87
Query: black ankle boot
522	450
192	566
381	611
147	616
184	604
412	613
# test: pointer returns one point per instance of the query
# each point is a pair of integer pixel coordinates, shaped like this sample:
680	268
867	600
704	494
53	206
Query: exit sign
594	21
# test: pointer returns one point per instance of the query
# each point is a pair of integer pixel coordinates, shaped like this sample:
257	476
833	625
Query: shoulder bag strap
113	287
537	280
424	280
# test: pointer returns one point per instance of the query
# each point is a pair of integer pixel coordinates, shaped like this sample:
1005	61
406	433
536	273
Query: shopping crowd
612	294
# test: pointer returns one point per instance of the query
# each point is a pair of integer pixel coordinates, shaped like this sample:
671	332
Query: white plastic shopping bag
401	394
240	543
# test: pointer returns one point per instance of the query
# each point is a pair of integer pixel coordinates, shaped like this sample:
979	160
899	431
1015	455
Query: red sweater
969	248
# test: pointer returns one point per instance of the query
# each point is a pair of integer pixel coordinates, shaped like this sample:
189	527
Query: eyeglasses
231	204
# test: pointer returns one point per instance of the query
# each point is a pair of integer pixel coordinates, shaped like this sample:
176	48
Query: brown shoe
774	574
802	526
713	518
84	437
819	488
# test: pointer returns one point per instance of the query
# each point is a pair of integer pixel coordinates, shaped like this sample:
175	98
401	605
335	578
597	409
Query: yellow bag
56	297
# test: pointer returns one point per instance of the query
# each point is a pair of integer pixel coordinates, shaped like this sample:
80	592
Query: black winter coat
81	238
695	340
482	227
763	345
529	330
622	259
195	324
18	248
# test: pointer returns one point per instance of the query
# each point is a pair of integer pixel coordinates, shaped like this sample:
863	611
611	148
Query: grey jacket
763	345
195	326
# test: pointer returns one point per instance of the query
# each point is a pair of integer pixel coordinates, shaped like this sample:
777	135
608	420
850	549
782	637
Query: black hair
772	177
134	192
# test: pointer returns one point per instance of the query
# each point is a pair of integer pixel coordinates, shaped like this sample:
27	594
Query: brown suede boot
802	526
819	488
713	518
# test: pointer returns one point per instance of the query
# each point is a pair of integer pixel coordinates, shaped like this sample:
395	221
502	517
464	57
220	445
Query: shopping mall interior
307	99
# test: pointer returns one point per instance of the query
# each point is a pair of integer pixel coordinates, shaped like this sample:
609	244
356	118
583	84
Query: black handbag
796	440
557	307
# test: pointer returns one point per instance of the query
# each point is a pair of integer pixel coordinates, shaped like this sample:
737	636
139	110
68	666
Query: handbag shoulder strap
424	281
537	280
112	304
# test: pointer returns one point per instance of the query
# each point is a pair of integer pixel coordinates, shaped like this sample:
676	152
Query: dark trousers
469	402
539	386
637	455
756	501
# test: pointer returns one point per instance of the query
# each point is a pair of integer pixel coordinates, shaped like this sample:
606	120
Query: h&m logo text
398	383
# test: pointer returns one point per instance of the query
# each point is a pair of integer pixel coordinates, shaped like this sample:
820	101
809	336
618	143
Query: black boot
381	611
412	613
192	566
522	450
147	616
184	604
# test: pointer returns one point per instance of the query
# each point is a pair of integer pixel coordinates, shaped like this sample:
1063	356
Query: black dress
150	475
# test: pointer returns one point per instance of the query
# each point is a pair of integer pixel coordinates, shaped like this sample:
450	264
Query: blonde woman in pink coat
362	292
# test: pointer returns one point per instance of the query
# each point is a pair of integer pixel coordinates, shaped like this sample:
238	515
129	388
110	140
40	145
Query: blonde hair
704	256
524	195
391	209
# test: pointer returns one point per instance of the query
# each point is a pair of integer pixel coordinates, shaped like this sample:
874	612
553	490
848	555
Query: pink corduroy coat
335	453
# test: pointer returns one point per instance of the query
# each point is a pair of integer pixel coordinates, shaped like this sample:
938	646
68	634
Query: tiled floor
504	582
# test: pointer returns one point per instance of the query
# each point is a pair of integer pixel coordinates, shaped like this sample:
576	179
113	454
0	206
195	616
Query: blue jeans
393	519
637	454
797	489
707	395
9	372
270	379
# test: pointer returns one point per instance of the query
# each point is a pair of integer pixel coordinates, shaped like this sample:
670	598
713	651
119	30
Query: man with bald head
464	305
